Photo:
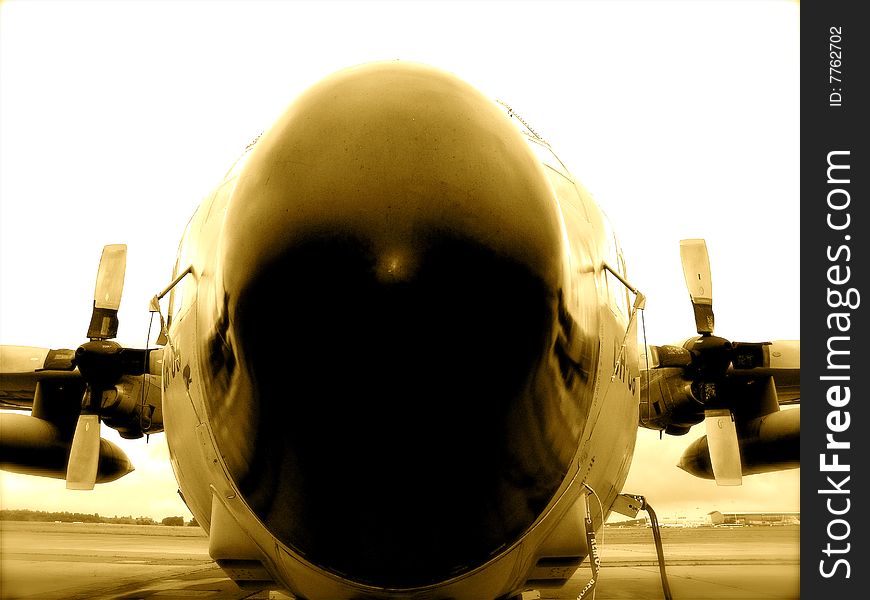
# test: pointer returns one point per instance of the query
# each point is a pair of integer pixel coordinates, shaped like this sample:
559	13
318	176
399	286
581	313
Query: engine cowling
134	406
667	403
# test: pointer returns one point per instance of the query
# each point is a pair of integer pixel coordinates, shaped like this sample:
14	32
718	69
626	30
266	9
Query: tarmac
77	561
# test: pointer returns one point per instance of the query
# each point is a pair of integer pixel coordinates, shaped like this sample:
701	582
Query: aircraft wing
49	384
23	367
781	360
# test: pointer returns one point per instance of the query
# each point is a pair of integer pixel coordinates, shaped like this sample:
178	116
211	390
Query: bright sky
681	118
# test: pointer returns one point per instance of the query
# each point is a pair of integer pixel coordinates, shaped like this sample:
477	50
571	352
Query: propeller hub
99	361
711	356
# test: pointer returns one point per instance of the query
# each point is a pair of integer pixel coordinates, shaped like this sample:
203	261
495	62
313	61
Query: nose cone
390	153
391	263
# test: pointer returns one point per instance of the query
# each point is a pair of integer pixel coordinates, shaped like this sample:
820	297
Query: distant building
737	519
641	522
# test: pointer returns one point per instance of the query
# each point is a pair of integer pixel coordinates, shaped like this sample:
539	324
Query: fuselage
399	363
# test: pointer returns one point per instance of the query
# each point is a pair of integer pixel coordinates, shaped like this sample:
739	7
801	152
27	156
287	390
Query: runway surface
77	561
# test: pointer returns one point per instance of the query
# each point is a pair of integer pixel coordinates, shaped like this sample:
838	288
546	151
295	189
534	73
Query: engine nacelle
768	443
134	406
33	446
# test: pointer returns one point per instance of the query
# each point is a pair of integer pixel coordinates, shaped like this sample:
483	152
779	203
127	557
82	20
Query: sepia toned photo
381	300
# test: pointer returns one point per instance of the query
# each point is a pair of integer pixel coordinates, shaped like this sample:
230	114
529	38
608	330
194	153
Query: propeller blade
84	456
107	292
723	445
696	271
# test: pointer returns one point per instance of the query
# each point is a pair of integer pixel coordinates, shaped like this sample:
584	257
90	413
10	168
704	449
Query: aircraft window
620	266
574	218
567	192
546	156
177	298
171	310
616	291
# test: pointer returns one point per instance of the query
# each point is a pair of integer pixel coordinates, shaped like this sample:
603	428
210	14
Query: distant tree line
74	517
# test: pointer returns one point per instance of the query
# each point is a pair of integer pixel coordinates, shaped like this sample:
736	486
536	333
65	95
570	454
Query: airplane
399	358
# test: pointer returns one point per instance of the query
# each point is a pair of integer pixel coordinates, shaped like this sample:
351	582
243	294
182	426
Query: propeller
76	391
705	361
710	378
101	363
711	358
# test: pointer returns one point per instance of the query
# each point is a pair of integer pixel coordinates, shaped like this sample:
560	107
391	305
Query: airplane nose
391	261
